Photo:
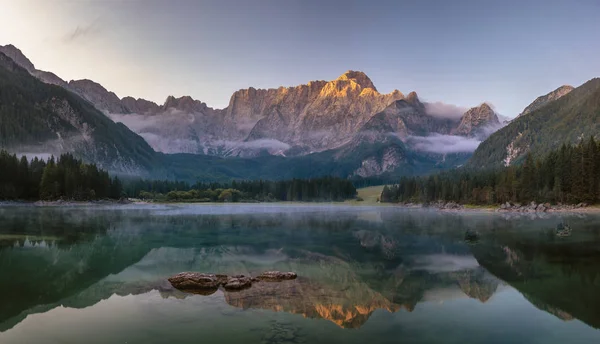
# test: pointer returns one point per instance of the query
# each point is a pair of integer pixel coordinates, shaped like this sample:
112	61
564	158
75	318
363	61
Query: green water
366	275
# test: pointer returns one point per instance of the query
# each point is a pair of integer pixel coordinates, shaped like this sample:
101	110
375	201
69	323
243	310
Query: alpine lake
366	274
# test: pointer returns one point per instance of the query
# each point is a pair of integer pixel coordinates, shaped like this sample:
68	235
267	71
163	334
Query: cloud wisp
83	32
443	144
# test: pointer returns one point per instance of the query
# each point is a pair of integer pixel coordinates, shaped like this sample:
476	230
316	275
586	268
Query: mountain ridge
346	121
567	119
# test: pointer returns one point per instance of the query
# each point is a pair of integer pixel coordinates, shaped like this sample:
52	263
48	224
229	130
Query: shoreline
498	209
447	208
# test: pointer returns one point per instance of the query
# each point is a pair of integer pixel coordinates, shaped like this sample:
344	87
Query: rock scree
197	281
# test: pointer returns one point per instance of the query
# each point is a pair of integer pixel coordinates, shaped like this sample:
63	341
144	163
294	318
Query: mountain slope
541	101
36	117
568	119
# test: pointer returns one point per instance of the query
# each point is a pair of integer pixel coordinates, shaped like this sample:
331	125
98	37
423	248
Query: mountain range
344	127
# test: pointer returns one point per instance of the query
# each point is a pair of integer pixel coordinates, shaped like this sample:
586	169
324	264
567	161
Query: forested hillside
36	117
568	119
570	174
62	178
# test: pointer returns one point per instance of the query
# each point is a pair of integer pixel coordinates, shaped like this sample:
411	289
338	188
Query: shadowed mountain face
350	264
44	119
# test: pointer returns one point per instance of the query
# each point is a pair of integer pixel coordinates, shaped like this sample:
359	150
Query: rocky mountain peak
547	98
358	77
474	121
413	98
185	103
17	56
140	106
485	108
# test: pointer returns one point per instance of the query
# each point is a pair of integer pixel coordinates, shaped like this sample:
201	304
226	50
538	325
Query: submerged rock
275	276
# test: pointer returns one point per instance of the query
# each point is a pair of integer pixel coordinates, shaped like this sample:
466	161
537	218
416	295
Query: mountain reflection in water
349	265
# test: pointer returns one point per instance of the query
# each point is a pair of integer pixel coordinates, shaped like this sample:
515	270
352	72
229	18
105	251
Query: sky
459	52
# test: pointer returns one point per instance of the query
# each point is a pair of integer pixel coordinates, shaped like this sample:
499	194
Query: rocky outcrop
140	106
196	280
98	95
17	56
547	98
476	120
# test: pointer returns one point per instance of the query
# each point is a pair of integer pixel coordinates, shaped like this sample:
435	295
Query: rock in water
276	276
196	280
238	282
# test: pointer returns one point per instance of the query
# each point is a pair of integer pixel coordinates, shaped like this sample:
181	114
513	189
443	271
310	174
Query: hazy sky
459	52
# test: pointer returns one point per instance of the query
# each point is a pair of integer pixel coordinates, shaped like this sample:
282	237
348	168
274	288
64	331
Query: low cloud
246	148
170	146
176	132
443	110
443	144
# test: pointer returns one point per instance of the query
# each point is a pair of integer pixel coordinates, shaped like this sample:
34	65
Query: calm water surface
374	275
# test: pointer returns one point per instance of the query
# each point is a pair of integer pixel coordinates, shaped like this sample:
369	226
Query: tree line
53	179
304	190
570	174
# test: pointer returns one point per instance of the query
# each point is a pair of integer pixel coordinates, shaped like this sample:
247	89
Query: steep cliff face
541	101
477	120
320	115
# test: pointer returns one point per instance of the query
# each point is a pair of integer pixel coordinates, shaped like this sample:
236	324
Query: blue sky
459	52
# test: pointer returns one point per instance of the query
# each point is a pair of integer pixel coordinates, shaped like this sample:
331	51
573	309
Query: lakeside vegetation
325	189
568	175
